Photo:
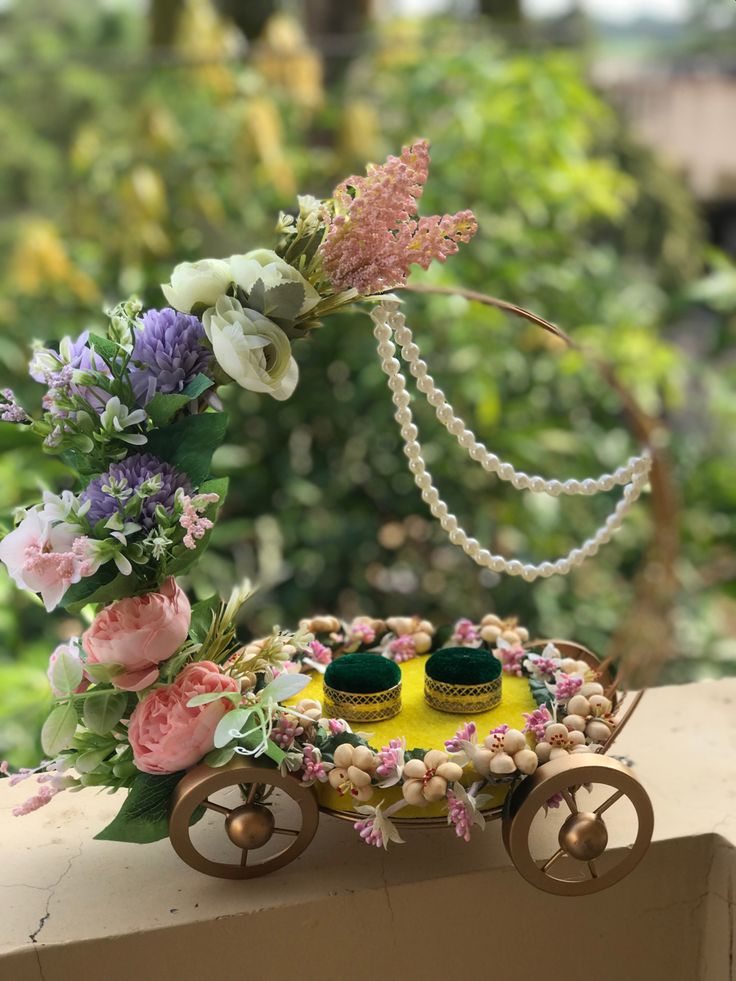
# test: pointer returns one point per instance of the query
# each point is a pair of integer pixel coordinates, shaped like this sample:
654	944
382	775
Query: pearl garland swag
632	476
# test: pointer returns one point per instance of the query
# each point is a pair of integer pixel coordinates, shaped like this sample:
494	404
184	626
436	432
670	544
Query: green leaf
201	621
88	761
59	729
282	302
102	713
102	673
144	816
107	348
106	585
66	672
230	721
189	443
162	408
219	757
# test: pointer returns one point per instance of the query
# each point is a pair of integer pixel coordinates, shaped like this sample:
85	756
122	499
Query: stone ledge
435	907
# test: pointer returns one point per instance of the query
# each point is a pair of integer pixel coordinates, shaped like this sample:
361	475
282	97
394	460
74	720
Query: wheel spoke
550	861
608	803
252	793
286	831
212	806
593	870
570	801
244	858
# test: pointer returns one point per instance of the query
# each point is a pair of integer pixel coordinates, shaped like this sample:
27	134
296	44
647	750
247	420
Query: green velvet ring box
362	688
462	680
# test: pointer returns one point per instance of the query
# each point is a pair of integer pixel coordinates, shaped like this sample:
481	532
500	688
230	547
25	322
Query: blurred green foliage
118	164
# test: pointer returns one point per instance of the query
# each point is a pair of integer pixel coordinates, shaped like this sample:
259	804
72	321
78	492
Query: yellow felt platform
426	728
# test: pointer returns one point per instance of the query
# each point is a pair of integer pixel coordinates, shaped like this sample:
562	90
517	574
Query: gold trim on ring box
462	699
356	707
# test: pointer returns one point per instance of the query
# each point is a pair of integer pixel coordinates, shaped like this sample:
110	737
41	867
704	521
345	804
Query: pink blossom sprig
319	653
466	634
511	656
286	730
375	235
537	721
391	762
313	767
401	648
192	520
467	733
566	685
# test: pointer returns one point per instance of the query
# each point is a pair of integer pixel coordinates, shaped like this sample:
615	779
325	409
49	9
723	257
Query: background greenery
135	138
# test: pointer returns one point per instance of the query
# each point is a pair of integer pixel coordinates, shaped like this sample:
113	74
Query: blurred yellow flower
39	259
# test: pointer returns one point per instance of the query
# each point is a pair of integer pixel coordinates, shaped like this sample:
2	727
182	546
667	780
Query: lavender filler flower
171	352
110	492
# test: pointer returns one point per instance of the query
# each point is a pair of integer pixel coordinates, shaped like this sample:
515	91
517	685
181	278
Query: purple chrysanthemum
111	491
171	352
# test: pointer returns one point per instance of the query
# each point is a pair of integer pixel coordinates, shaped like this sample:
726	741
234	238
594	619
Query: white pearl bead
390	323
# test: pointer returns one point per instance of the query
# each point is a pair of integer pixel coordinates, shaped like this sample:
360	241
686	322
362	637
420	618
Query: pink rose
138	633
165	734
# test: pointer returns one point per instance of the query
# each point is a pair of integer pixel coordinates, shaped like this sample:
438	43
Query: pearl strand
389	321
477	451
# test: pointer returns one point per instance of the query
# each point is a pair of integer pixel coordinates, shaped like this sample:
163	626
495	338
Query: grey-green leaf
66	673
58	730
103	712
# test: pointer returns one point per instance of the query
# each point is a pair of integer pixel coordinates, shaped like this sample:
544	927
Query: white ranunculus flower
250	348
194	283
266	265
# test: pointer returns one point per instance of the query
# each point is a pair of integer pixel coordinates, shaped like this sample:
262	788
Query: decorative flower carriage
582	837
160	699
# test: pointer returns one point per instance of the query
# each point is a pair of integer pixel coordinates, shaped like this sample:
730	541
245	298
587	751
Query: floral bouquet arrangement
134	413
156	686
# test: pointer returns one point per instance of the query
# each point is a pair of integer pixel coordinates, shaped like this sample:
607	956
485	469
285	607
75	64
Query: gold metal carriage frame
582	837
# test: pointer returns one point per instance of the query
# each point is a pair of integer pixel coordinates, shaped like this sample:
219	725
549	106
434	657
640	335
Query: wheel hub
249	826
584	836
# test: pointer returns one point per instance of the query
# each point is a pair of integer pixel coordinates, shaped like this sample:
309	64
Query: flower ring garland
155	685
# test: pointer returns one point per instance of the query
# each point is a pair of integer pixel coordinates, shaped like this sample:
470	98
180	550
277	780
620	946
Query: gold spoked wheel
583	836
250	826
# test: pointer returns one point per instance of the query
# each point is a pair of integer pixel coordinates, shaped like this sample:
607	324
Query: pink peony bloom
45	559
138	633
375	235
165	734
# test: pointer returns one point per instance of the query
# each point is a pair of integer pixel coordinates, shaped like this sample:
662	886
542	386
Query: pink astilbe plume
376	235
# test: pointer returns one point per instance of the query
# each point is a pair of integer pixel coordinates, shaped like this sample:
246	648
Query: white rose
250	348
195	283
264	264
